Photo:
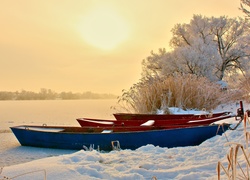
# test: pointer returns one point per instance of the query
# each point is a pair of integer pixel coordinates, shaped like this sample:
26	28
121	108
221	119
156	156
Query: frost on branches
207	47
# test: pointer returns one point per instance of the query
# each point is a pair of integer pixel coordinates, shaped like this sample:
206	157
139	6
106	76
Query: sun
104	28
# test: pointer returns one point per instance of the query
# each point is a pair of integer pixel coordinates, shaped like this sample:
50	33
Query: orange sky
89	45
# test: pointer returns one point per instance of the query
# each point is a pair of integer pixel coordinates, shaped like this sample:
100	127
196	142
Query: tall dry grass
186	92
244	89
238	158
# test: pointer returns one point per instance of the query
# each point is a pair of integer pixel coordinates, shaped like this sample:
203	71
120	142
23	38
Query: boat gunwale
226	114
141	116
68	128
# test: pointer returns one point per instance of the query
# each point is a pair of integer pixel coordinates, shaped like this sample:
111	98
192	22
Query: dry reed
244	89
185	92
237	168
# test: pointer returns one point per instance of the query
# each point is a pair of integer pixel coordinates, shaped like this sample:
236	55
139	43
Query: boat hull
61	138
163	122
132	116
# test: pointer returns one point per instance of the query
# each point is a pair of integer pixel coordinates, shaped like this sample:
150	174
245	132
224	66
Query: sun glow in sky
104	28
89	45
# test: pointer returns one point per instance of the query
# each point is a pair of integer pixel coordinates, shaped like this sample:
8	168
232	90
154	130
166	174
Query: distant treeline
48	94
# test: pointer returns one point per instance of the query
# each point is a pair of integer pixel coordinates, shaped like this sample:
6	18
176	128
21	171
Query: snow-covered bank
147	162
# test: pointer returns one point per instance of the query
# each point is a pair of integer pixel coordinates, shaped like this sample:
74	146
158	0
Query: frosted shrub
186	92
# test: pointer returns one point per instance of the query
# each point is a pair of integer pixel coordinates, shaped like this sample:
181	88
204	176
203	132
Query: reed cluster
244	90
185	92
238	158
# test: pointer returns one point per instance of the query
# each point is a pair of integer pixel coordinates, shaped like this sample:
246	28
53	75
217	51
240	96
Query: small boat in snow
154	122
134	116
104	138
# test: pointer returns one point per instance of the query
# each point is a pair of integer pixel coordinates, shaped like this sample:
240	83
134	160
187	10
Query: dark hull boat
131	116
144	122
78	137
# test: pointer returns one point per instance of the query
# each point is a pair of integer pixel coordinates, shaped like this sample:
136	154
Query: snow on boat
103	137
154	122
132	116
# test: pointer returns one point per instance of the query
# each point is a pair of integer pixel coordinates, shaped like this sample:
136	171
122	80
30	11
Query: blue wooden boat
78	137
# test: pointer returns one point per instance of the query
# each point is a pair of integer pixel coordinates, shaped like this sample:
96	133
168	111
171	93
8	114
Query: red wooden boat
132	116
84	122
110	129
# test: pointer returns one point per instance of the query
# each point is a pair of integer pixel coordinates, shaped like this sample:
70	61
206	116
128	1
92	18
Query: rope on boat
241	115
234	128
230	128
222	127
244	117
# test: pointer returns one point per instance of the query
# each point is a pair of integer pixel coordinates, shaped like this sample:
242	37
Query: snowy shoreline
147	162
193	162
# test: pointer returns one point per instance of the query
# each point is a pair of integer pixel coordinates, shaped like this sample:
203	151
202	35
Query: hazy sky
89	45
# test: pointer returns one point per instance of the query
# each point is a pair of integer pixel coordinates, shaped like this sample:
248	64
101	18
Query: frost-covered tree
207	47
243	5
152	65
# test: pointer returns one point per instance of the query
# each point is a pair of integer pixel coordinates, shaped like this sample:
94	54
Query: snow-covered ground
147	162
